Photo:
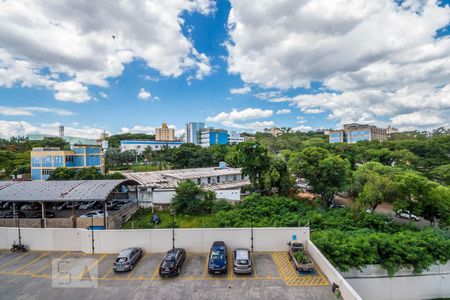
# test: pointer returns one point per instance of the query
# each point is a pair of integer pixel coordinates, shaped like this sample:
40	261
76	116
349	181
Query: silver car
127	259
242	261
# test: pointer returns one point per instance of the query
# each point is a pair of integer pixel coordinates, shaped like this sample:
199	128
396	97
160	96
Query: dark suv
218	258
172	262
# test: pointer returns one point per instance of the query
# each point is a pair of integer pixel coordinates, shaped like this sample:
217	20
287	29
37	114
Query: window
69	159
234	178
209	180
218	178
46	172
199	181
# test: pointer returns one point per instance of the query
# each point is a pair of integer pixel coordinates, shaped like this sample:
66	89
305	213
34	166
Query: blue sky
271	64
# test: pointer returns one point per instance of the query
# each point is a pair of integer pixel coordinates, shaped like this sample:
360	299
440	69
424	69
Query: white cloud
417	119
23	128
312	110
29	111
143	94
363	51
89	42
138	129
104	95
258	125
302	128
242	90
71	91
239	115
283	111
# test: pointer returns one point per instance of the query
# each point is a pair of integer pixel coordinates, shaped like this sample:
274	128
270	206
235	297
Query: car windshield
242	262
168	263
217	256
121	259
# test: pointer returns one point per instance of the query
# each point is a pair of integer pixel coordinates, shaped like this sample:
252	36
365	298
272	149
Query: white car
94	214
404	214
87	205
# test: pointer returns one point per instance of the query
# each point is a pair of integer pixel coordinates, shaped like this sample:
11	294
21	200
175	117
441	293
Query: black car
172	262
10	215
38	215
126	259
218	258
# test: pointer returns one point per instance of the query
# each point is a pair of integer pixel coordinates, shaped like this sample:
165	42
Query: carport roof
57	191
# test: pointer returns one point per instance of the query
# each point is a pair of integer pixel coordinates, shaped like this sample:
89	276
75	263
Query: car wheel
178	271
131	267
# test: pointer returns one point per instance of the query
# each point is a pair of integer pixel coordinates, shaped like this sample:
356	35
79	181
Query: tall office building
61	131
193	132
165	133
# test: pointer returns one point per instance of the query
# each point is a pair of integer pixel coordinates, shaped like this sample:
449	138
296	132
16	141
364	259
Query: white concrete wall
372	283
347	291
233	194
151	240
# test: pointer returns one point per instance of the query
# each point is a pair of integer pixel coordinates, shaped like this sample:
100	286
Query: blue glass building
210	136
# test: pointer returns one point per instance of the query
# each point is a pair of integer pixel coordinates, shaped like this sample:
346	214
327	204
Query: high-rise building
61	131
165	133
210	136
355	132
193	132
45	160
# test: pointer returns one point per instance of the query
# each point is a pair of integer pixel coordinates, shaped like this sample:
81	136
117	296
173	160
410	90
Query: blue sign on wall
294	237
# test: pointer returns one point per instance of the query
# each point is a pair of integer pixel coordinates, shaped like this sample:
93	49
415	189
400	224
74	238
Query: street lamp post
92	234
16	216
251	231
173	229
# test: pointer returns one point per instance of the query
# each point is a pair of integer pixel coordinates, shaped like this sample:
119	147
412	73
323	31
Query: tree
376	190
191	199
326	172
253	158
435	205
412	188
278	176
441	174
63	174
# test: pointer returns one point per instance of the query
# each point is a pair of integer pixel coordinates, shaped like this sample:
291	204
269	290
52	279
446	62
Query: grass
142	220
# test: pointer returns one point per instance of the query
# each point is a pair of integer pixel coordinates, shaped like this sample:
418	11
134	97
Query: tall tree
253	158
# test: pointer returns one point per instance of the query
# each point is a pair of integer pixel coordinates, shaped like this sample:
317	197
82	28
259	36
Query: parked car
127	259
60	205
111	204
94	213
172	262
32	206
156	219
7	205
218	258
38	214
405	214
71	205
87	205
242	261
118	206
10	215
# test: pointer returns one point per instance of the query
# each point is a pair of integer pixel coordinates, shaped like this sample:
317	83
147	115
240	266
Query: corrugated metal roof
55	191
169	178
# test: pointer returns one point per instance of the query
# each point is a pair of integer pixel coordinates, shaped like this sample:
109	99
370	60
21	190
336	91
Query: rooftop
168	178
59	191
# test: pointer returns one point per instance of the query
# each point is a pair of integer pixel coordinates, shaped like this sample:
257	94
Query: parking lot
273	276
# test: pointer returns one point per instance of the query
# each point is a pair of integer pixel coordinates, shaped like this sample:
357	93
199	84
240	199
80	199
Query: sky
128	66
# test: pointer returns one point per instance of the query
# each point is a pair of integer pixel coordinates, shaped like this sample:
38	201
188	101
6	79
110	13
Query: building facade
275	131
45	160
158	187
140	146
210	136
353	133
165	133
234	138
193	132
72	140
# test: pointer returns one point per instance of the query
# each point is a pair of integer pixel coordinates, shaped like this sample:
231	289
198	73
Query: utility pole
173	230
251	231
16	216
92	234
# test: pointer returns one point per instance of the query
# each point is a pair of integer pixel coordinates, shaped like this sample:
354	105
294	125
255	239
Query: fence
152	240
347	291
373	283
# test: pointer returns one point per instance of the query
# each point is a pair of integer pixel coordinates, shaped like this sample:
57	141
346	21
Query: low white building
234	138
158	187
140	146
